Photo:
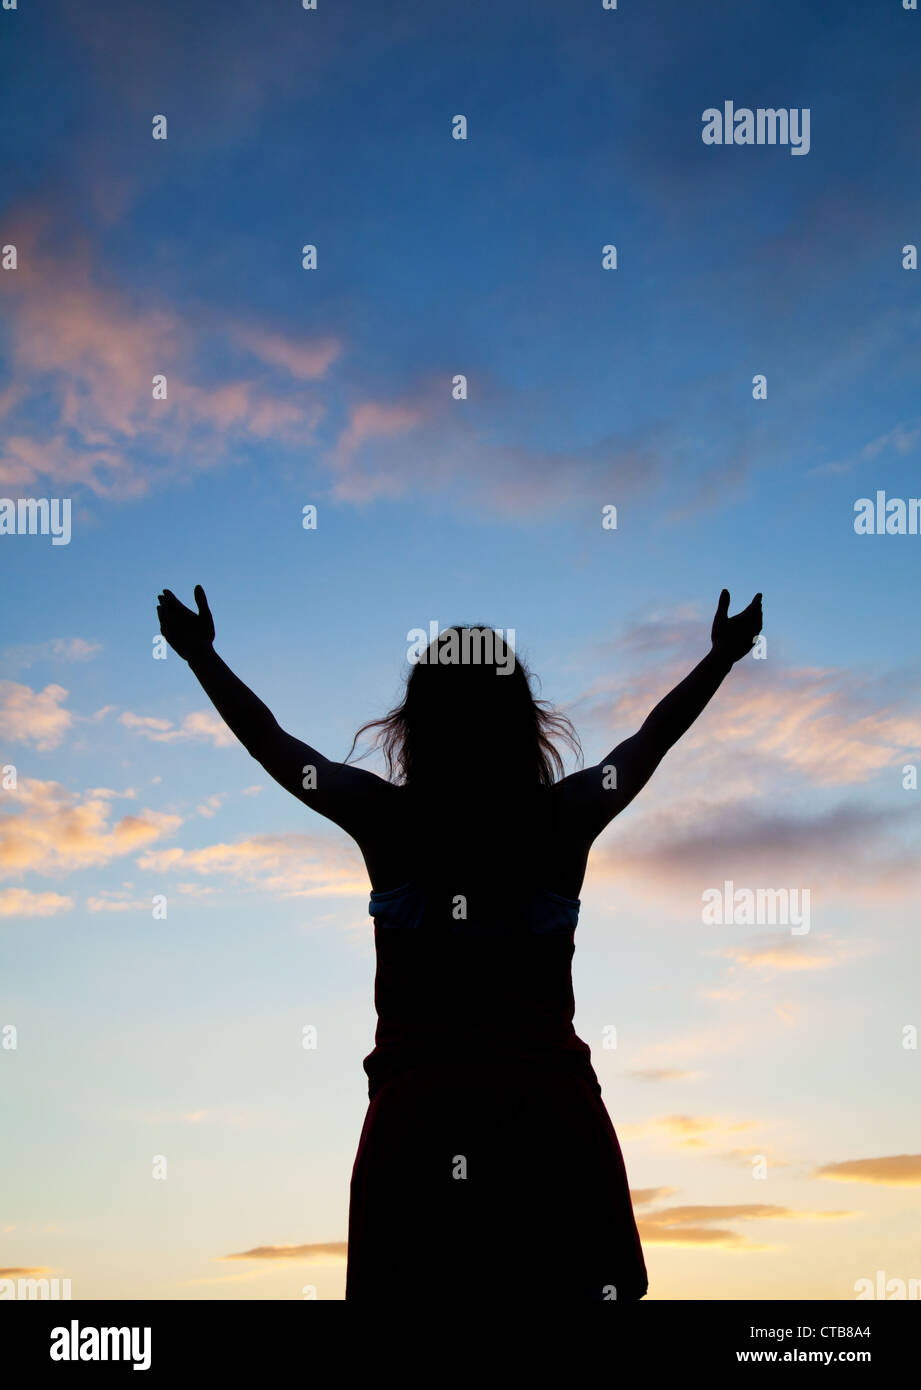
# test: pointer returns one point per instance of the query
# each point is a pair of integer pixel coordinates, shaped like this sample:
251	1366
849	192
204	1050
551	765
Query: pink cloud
88	353
306	361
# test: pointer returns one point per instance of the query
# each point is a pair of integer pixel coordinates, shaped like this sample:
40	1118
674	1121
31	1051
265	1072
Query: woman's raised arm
351	796
590	799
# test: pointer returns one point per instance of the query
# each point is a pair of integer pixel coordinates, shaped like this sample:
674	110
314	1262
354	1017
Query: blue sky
333	387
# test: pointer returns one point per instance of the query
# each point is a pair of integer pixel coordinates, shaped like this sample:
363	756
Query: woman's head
468	697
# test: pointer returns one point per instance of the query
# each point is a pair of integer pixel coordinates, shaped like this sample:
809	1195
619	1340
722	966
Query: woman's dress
488	1169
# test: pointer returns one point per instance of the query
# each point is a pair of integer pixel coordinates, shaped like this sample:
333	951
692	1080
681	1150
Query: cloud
731	812
643	1196
19	902
68	649
252	1118
33	716
196	890
899	1170
214	75
306	361
701	1225
242	1276
47	829
663	1074
331	1251
901	440
83	358
200	725
688	1131
117	900
693	845
425	443
80	408
832	727
788	954
370	420
736	807
821	724
292	865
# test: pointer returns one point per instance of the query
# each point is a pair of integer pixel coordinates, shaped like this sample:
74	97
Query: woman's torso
475	905
472	833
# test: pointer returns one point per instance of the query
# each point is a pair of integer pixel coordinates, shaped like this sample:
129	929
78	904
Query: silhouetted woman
488	1169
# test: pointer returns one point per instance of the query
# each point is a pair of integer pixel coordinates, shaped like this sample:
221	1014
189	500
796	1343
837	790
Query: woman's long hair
468	695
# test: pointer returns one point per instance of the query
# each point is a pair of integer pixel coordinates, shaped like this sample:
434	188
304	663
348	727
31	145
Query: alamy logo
765	126
76	1343
36	516
462	647
757	907
892	516
886	1288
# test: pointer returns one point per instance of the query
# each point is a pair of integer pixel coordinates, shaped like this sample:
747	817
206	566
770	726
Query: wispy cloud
707	1225
323	1253
84	356
784	953
200	725
833	727
850	848
663	1074
898	1170
292	865
64	649
644	1196
117	900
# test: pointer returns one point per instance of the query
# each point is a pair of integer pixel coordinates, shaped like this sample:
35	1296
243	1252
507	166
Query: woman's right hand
735	637
189	634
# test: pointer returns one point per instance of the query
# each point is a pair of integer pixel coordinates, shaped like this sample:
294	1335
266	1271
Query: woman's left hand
735	637
189	634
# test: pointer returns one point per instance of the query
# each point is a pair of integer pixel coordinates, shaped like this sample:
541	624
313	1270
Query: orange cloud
292	865
331	1250
33	716
787	953
47	829
642	1196
832	726
690	1128
696	1225
713	1136
19	902
899	1170
663	1074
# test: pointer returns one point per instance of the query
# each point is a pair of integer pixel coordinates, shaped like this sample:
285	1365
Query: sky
764	1080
